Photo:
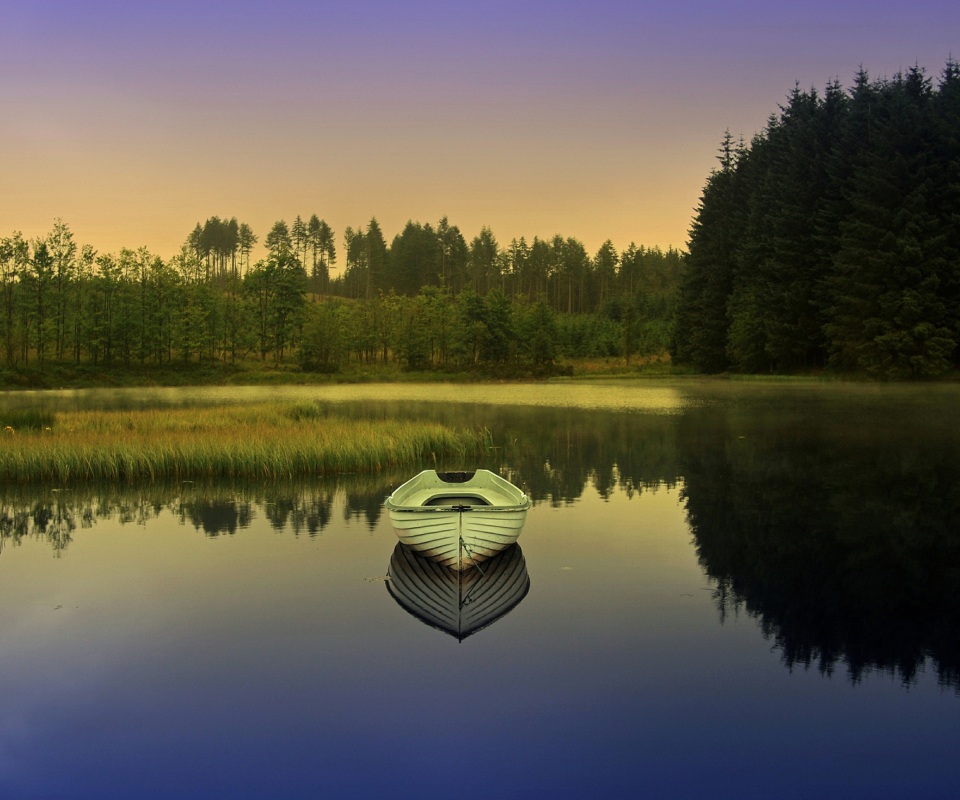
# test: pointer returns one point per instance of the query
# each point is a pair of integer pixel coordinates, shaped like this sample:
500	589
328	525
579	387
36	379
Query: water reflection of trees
217	516
53	521
216	508
836	526
557	459
843	542
555	454
832	517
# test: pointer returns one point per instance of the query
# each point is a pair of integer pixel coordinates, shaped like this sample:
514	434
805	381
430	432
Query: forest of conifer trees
833	238
830	241
428	300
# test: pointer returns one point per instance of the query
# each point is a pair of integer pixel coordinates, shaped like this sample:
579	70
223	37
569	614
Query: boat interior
480	488
457	499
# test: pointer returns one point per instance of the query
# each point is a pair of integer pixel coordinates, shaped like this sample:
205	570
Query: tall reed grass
25	419
258	441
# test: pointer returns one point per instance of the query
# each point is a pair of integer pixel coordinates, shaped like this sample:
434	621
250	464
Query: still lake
735	590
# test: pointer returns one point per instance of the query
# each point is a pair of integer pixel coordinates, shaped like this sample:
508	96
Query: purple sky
596	120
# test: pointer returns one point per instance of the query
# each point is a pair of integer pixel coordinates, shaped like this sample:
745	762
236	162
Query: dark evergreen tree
414	259
946	192
886	312
376	247
702	321
833	237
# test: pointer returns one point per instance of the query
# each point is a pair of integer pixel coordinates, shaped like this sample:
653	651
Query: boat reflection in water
458	603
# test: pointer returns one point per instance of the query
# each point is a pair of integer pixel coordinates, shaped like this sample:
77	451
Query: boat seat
457	500
458	497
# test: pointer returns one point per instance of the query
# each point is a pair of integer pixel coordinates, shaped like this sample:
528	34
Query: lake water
735	590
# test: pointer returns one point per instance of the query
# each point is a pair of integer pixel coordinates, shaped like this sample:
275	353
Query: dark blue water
739	594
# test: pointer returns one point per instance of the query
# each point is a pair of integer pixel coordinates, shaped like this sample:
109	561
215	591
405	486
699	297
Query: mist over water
756	582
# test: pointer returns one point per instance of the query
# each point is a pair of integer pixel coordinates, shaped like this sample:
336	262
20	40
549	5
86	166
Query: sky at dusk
133	121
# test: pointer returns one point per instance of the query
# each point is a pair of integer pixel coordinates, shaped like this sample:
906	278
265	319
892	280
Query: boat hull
459	519
458	539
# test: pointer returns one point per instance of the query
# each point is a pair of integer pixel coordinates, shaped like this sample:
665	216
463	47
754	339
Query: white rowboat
459	519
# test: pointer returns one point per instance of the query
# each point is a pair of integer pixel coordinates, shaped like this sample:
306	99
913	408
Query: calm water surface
734	591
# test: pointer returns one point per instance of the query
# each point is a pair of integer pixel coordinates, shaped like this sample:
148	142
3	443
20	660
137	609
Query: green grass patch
304	411
268	441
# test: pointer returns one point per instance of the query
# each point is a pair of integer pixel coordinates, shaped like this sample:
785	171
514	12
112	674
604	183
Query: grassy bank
256	373
251	373
257	441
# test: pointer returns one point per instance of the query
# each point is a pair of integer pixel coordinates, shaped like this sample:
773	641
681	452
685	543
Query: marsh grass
25	419
255	441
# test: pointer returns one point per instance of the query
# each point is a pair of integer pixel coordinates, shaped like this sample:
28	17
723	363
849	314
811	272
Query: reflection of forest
844	541
554	454
302	507
838	527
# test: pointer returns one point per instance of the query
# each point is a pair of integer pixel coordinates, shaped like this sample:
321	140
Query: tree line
416	302
560	270
833	238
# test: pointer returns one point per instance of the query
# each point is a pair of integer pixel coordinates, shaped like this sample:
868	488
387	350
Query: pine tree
299	239
328	254
246	241
702	322
376	247
483	260
887	312
946	192
278	241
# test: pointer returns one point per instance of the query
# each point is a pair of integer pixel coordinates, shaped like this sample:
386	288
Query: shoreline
67	378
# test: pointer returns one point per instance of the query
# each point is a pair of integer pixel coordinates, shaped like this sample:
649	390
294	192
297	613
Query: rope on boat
473	558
